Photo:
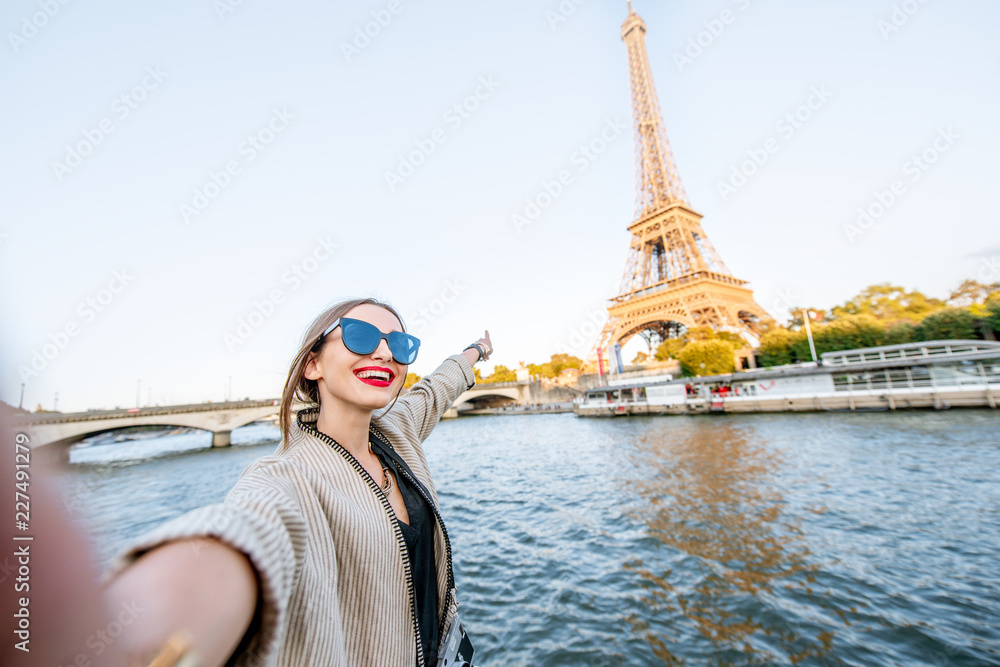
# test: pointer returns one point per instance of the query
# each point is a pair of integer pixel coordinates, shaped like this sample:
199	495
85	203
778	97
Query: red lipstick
375	376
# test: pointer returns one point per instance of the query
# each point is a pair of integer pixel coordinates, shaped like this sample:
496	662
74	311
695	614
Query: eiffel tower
674	279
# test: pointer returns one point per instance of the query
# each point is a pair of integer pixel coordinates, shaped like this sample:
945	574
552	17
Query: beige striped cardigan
334	583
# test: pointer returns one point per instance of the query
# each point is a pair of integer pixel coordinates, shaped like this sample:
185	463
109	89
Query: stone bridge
524	392
63	430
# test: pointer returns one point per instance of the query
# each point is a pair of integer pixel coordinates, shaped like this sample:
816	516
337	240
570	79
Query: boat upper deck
938	352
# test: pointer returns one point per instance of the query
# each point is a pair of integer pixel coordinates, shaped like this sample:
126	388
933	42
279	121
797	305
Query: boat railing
918	377
909	351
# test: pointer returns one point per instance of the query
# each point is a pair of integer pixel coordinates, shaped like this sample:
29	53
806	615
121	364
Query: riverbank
509	410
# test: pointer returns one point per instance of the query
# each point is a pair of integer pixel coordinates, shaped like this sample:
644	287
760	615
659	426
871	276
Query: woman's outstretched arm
216	570
200	588
428	399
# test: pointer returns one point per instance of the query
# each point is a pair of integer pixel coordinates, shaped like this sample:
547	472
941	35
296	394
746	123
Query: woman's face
356	379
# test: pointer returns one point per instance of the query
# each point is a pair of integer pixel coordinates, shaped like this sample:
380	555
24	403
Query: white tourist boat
936	374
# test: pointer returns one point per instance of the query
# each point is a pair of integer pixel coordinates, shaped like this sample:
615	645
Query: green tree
542	370
699	333
767	326
500	374
668	349
949	324
777	347
707	357
901	332
971	293
991	318
412	379
736	340
640	359
819	316
556	365
671	347
889	303
849	332
560	362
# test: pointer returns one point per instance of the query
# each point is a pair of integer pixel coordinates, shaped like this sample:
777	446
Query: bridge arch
487	396
219	438
59	432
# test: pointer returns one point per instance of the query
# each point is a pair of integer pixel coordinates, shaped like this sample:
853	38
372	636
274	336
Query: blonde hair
297	386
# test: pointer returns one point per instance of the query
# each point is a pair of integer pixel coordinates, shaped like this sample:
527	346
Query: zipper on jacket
400	541
450	588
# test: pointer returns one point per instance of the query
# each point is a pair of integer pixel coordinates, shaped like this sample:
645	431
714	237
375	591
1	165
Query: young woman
333	550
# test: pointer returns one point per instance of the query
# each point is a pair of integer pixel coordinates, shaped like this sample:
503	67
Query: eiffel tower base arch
718	302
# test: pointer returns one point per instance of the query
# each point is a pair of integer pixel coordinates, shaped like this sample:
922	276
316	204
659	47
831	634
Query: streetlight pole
20	404
138	395
809	333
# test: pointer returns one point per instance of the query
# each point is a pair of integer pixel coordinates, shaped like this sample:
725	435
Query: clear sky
168	167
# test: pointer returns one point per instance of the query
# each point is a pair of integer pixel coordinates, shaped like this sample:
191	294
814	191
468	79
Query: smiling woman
332	551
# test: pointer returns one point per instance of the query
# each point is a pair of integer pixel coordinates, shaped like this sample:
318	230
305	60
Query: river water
780	539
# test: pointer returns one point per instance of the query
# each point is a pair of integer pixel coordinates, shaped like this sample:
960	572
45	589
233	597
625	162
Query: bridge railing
93	415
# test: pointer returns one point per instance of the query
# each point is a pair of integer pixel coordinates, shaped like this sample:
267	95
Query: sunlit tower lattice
674	278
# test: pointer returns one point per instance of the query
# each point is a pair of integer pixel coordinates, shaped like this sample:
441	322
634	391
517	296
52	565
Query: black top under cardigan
419	538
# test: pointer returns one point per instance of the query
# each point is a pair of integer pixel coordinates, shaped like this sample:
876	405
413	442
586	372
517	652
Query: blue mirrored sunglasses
363	338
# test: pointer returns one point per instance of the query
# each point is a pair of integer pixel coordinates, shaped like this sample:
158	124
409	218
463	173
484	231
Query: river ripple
815	539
